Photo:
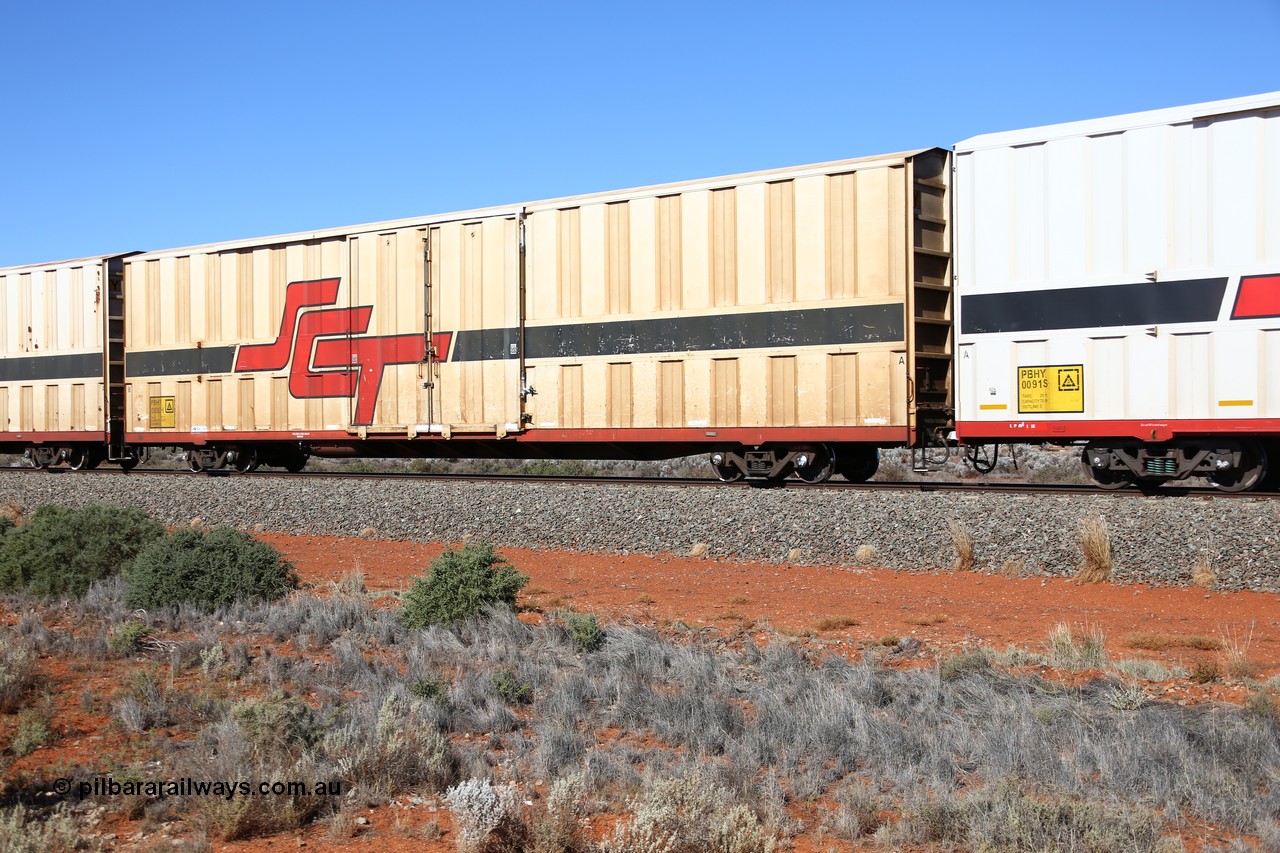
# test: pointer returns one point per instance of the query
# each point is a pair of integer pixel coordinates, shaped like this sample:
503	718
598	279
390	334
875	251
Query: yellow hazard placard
1051	388
163	413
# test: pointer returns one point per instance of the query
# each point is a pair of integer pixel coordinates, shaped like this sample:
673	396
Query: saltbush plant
462	583
585	630
487	817
209	570
277	724
62	551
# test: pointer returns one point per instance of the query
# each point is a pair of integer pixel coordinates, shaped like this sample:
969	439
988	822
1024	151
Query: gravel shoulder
1153	540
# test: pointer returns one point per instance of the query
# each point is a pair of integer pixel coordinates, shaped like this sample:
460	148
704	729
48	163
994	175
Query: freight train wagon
1119	284
784	321
62	362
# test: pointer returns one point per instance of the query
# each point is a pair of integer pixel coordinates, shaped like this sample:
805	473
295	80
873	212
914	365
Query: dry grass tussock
864	554
1095	549
12	511
962	538
1204	574
351	583
835	623
699	551
926	620
1235	652
1155	641
1071	649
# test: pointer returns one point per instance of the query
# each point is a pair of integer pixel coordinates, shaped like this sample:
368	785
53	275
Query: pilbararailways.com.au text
106	786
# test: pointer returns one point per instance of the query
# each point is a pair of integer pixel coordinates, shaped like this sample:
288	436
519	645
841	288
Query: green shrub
6	524
209	570
510	689
461	584
126	638
62	551
429	690
33	733
585	630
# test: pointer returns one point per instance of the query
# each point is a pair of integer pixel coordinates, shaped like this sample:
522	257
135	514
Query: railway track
955	486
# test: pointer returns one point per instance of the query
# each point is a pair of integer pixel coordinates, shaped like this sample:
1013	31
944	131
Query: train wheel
858	465
815	465
728	473
1252	470
128	464
246	460
79	459
194	464
1270	481
721	463
1104	478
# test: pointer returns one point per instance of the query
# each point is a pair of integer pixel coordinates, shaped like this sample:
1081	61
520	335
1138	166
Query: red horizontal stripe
59	437
1259	296
651	435
976	432
712	435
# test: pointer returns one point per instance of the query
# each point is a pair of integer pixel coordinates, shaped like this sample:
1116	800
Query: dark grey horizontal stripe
44	368
487	344
855	324
1144	304
179	362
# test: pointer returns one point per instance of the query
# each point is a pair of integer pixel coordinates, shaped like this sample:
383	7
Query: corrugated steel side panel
621	289
349	357
51	327
833	239
1135	210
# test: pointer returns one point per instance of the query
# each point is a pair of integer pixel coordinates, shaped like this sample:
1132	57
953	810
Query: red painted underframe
65	437
974	432
740	435
680	435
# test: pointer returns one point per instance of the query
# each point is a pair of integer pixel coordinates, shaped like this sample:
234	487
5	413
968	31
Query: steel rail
961	486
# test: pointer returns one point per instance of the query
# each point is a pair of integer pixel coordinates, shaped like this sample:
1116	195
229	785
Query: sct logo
324	356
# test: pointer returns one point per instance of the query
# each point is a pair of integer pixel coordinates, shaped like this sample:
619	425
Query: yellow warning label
1051	388
163	413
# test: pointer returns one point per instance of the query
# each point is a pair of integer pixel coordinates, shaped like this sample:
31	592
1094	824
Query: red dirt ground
965	608
945	611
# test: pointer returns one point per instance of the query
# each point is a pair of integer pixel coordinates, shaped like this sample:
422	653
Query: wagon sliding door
384	340
474	282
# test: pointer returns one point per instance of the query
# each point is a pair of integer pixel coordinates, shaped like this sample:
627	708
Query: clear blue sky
140	125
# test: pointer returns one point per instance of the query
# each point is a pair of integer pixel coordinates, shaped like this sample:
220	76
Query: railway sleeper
1231	465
